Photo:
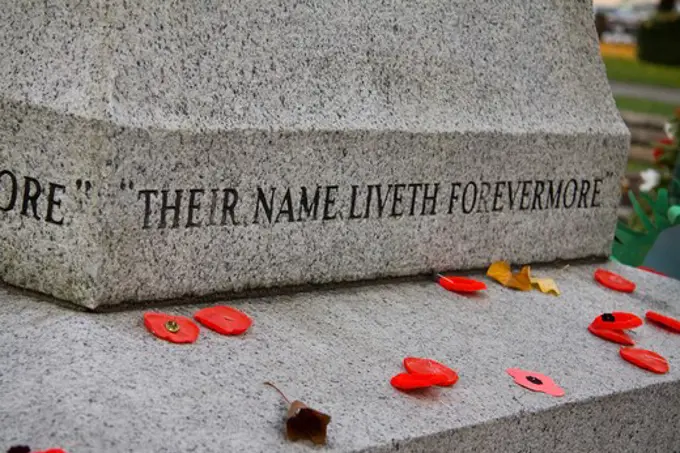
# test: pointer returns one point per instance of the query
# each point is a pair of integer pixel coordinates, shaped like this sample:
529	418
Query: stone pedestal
152	150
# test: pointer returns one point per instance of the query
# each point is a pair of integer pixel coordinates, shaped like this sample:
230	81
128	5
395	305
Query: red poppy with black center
175	329
224	320
614	281
408	381
615	335
617	320
461	284
667	322
536	382
648	360
439	373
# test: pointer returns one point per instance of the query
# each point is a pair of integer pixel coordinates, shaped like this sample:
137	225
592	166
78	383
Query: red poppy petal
669	323
618	320
614	281
648	360
461	284
406	381
183	330
52	450
615	335
224	320
536	382
442	375
653	271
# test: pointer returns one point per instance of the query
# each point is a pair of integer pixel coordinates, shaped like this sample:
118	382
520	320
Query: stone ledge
99	382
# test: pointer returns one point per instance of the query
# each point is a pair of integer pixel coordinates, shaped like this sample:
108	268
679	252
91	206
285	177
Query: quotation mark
85	186
130	185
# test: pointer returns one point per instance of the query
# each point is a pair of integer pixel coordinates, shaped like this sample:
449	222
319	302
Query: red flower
615	335
669	323
658	152
408	381
461	284
653	271
439	374
52	450
617	320
175	329
648	360
535	381
614	281
224	320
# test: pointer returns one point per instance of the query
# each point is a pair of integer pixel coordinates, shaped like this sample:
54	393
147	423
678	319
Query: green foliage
659	40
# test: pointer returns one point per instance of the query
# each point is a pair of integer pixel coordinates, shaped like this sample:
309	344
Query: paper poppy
535	381
407	381
614	281
618	320
175	329
439	374
653	271
224	320
669	323
461	284
648	360
615	335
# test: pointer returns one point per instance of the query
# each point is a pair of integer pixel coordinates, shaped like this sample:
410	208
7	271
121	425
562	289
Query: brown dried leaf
500	271
303	422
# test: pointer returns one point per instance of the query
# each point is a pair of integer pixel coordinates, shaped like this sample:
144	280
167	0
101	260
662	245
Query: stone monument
156	152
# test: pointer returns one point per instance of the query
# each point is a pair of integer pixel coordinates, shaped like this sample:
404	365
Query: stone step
93	383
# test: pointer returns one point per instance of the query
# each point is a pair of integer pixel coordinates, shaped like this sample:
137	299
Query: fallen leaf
501	272
545	285
303	422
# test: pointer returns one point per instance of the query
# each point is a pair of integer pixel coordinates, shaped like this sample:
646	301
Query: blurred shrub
659	40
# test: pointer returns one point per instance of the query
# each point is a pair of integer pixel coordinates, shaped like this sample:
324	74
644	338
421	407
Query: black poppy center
534	380
608	317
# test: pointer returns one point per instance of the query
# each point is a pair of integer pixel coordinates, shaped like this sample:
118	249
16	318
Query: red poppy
224	320
439	374
648	360
657	153
535	381
614	281
52	450
407	381
664	321
617	320
615	335
175	329
461	284
653	271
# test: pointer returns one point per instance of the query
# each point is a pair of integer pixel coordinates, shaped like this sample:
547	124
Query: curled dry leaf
303	422
545	285
501	272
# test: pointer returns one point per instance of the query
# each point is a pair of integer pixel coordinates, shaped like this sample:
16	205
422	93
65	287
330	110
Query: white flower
650	179
670	130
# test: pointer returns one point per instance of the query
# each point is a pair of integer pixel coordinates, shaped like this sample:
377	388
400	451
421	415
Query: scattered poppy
438	373
52	450
648	360
615	335
501	272
461	284
224	320
535	381
617	320
407	381
175	329
664	321
653	271
614	281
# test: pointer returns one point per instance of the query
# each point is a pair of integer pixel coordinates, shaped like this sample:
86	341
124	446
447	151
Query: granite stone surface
93	383
154	150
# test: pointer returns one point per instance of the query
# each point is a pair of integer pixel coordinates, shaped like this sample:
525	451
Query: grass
622	65
644	106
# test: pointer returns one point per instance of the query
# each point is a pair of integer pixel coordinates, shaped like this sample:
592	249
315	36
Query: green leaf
674	214
649	226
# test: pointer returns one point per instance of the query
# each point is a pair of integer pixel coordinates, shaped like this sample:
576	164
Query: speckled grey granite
94	383
114	110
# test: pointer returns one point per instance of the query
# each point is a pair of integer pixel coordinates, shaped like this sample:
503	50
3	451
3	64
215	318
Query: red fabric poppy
175	329
669	323
461	284
657	153
52	450
224	320
535	381
618	320
440	374
615	335
648	360
653	271
407	381
614	281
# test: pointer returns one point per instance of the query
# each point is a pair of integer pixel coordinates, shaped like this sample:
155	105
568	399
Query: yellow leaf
546	285
501	272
